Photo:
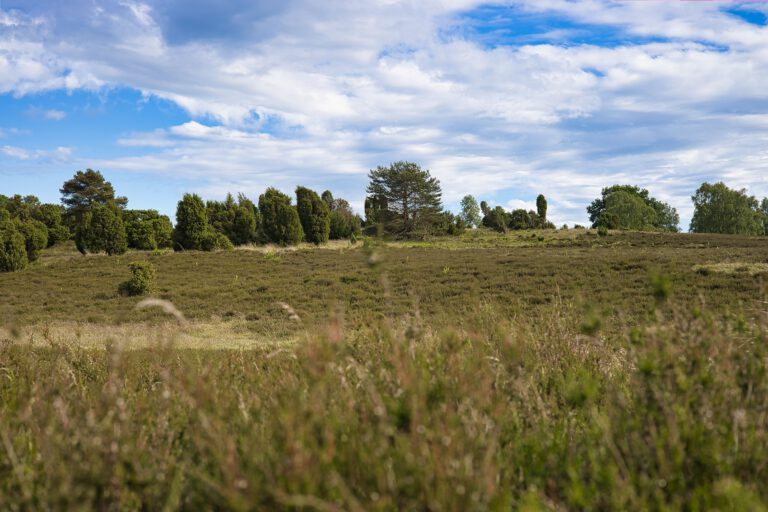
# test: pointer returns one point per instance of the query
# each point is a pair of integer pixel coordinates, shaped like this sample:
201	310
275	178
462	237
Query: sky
501	100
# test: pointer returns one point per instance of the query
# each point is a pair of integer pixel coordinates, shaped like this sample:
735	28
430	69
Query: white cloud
59	154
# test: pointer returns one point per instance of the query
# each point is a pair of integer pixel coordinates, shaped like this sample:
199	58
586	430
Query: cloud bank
501	100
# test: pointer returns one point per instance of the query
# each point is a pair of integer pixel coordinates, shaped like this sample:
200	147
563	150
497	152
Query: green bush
279	219
142	279
147	230
191	223
314	215
215	241
602	231
35	237
101	230
51	216
13	253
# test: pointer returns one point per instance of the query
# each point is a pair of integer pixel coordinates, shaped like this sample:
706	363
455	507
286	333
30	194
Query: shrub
314	215
496	219
35	237
51	216
101	230
279	219
602	231
147	230
142	279
191	223
215	241
13	253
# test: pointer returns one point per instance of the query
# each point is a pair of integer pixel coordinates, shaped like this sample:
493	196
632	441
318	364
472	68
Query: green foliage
520	219
343	222
496	219
214	241
238	221
191	223
602	231
22	208
279	219
327	198
665	218
405	198
375	214
661	287
541	208
719	209
314	215
627	211
142	279
245	226
470	211
85	189
147	230
13	253
35	237
52	216
764	208
102	230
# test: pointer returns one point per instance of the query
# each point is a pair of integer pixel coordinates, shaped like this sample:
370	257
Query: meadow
547	370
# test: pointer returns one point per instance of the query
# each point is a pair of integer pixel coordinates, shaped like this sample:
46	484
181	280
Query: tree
221	215
627	211
85	189
327	197
412	197
35	237
101	229
20	207
344	222
245	225
496	219
375	214
519	219
279	219
191	223
719	209
764	208
470	211
13	253
51	216
314	215
147	230
541	209
484	208
665	217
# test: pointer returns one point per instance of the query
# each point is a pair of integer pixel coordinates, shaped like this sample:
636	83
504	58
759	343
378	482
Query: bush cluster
142	280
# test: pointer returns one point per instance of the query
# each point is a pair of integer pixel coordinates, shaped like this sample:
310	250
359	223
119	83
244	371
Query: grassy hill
547	370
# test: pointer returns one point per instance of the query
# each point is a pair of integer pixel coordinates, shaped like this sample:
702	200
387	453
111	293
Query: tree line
402	201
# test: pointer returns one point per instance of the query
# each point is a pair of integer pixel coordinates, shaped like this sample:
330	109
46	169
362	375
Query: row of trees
402	201
717	209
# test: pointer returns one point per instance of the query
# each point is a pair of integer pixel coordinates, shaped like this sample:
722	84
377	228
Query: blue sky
503	100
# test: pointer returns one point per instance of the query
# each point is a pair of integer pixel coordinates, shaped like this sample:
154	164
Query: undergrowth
494	414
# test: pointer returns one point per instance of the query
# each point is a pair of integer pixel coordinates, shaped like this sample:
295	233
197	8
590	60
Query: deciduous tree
719	209
470	211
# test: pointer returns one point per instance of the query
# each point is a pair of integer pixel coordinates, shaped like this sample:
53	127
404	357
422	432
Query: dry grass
212	335
548	376
752	269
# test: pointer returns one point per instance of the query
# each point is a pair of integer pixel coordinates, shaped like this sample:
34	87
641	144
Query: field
548	370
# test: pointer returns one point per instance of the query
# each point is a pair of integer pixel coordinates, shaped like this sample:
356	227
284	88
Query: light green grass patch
732	268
